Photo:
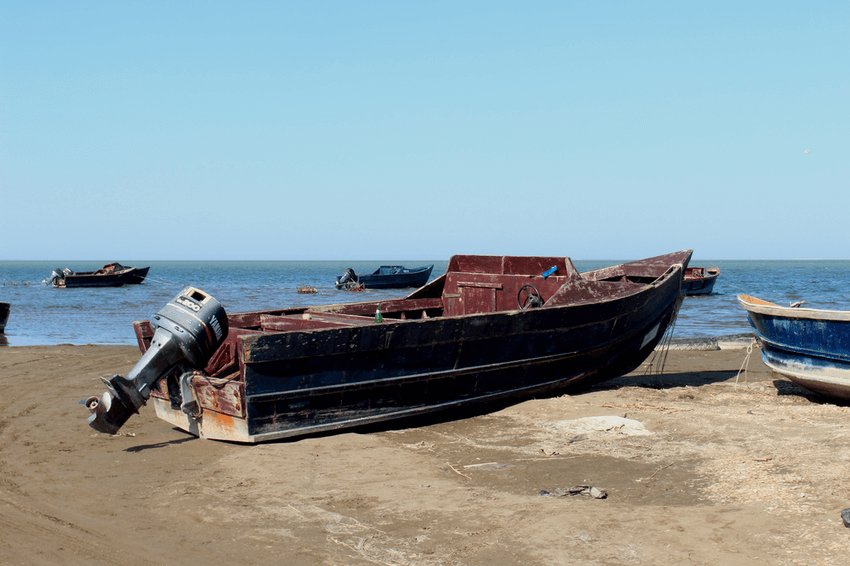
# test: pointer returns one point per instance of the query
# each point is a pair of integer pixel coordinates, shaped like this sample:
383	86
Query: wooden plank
388	307
287	324
480	284
355	320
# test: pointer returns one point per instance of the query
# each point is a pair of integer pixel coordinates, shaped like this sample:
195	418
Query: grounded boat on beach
110	275
4	316
490	329
386	277
700	280
811	347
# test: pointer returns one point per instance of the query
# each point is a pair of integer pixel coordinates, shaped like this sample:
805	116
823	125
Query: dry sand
700	467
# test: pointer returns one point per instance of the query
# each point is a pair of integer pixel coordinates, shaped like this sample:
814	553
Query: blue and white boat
811	347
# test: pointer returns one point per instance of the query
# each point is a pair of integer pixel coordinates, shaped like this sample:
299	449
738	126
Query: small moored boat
811	347
386	277
110	275
490	329
700	280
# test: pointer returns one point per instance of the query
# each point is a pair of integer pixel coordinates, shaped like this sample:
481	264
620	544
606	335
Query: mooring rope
746	363
163	281
666	341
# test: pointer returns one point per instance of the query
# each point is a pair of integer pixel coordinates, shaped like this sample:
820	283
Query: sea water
43	315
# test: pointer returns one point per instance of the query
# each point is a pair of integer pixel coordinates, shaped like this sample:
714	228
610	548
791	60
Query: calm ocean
42	315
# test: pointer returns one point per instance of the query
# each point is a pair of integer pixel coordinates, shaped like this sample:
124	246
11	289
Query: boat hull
314	409
811	347
699	281
289	384
138	275
406	278
116	279
110	275
4	316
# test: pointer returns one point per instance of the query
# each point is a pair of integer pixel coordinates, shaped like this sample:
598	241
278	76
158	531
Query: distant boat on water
386	277
699	280
110	275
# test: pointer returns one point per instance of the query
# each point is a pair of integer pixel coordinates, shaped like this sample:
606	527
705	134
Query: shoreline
701	465
707	343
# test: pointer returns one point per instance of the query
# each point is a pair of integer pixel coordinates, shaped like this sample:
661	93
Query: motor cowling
56	277
187	331
347	278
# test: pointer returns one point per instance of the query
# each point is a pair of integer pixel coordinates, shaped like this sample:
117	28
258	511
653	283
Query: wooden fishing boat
490	329
386	277
811	347
110	275
699	280
4	316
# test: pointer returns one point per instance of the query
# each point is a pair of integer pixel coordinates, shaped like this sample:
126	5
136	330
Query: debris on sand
594	492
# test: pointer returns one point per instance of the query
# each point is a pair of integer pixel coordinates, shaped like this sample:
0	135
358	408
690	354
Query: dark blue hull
811	347
110	275
386	278
91	280
702	287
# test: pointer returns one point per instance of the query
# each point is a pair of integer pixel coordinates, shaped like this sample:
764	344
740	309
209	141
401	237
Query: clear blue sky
375	130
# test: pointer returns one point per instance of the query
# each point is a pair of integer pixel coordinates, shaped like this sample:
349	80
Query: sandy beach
700	466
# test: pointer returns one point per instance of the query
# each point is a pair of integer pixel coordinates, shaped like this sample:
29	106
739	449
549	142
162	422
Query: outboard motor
347	278
187	331
56	277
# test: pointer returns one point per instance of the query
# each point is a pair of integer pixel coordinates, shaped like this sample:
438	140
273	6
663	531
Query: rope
665	342
746	363
746	292
163	281
224	380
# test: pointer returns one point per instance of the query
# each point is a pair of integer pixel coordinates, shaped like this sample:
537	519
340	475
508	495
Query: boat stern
208	424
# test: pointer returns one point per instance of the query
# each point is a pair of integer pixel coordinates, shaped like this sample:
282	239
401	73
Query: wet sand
700	466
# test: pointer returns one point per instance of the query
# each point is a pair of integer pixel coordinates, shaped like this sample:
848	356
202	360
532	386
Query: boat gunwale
771	309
